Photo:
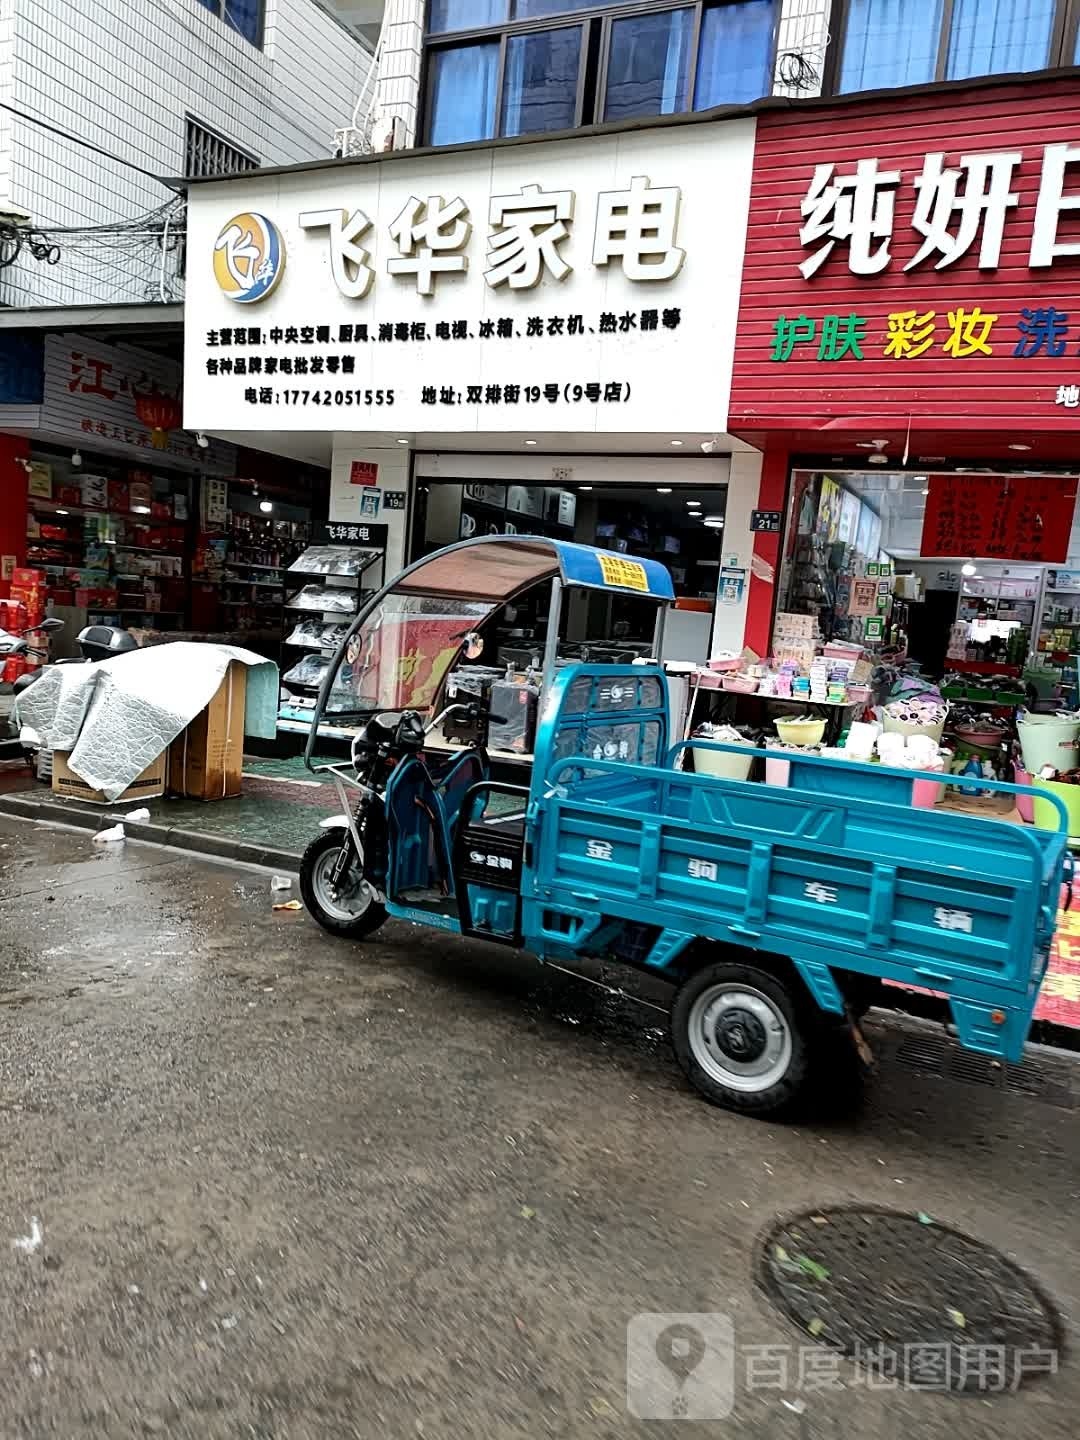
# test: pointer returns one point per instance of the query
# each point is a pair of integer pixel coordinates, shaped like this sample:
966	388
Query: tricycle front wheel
742	1039
348	909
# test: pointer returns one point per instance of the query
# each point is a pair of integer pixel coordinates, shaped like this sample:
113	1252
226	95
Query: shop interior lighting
1019	447
663	489
530	442
402	441
694	504
584	487
969	568
76	458
140	509
63	512
266	506
676	442
714	522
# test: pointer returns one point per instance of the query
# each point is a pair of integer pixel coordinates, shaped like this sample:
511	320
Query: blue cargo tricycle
773	911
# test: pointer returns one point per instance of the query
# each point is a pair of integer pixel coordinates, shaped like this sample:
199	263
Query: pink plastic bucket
777	772
925	794
1025	804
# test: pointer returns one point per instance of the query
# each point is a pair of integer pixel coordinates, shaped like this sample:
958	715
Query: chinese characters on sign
363	472
960	333
627	573
636	228
766	521
255	358
864	595
1023	518
955	207
342	533
96	390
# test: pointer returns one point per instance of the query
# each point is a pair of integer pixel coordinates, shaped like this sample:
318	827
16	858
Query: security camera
708	446
201	440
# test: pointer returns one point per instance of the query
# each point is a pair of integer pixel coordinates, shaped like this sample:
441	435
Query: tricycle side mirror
473	646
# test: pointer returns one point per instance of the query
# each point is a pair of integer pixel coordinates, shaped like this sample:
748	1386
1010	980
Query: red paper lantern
161	412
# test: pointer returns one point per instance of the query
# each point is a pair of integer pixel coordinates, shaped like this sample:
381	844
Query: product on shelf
308	672
321	598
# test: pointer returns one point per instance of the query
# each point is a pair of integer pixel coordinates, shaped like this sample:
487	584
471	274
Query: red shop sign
999	517
914	265
363	472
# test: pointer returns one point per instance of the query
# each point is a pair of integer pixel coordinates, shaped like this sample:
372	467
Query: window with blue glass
495	68
243	16
540	86
913	42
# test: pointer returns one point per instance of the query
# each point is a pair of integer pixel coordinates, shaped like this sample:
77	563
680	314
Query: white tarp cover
117	716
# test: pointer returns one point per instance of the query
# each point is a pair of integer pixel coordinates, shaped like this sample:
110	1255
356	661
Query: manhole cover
914	1302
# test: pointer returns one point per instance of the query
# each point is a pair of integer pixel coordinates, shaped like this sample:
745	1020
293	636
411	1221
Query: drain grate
1037	1079
914	1302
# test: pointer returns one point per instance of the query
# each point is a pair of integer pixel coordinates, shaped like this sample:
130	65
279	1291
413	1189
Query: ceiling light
76	458
927	490
266	506
402	442
63	512
584	487
676	442
530	442
1019	447
663	489
968	568
714	522
693	503
140	509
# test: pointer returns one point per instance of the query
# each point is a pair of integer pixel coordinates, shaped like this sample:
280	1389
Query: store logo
249	258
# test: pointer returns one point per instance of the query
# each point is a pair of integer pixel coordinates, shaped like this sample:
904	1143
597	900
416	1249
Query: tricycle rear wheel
743	1038
352	910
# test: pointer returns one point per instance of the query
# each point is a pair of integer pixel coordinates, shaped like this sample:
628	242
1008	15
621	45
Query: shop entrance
956	613
679	525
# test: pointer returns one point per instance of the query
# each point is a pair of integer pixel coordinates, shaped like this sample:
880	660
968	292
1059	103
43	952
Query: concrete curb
30	807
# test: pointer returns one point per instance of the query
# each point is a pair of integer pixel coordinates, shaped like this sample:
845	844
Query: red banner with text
999	517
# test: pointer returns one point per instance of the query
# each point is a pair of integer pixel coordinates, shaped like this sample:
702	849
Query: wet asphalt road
289	1187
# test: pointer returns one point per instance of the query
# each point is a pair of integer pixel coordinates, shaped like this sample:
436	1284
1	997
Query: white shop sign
579	285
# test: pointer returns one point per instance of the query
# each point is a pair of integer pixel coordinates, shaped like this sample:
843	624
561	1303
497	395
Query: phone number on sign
594	392
266	396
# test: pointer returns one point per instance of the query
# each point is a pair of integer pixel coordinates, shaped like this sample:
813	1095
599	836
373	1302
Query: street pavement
260	1182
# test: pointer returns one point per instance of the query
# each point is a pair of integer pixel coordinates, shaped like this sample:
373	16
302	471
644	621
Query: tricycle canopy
404	642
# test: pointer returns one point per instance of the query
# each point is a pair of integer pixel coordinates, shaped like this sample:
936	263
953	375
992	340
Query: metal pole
658	633
551	641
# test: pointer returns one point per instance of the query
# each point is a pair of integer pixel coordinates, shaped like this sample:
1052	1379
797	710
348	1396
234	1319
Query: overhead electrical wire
87	144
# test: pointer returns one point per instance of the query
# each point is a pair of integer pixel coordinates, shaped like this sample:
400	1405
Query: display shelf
141	550
325	563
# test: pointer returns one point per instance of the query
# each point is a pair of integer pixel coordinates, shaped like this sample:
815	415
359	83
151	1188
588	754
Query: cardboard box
22	575
206	760
144	787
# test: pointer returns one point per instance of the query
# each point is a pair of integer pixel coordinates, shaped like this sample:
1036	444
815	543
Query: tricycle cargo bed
938	900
